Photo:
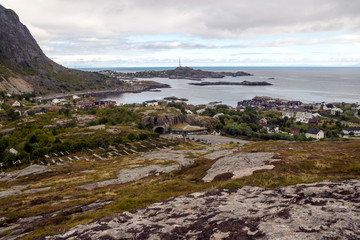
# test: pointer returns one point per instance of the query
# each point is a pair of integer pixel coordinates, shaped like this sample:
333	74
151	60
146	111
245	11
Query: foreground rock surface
238	164
305	211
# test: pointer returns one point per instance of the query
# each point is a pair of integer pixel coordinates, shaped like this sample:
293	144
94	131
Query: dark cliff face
21	57
19	50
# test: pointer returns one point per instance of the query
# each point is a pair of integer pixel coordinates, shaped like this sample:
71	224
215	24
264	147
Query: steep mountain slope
25	68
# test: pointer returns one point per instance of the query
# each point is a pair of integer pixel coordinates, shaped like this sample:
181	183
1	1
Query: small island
245	83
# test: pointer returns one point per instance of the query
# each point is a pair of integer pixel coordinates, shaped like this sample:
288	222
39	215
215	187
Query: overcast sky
125	33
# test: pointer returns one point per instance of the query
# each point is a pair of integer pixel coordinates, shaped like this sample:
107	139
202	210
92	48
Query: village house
272	128
37	99
294	103
288	114
58	100
303	117
354	131
16	104
315	133
327	107
86	106
103	104
334	110
212	105
313	121
263	121
251	103
152	103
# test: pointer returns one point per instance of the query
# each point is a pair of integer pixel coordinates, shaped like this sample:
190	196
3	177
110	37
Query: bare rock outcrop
203	121
239	164
325	210
166	120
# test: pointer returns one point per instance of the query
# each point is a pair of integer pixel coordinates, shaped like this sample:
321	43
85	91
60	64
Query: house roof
350	129
313	131
313	120
269	125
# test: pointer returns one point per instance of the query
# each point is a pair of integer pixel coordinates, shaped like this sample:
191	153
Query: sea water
307	84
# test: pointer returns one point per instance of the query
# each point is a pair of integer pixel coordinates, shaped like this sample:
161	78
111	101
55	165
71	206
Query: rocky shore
326	210
124	89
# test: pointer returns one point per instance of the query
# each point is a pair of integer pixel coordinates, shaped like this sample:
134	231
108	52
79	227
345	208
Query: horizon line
194	66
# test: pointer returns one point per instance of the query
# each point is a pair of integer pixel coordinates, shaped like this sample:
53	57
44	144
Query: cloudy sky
128	33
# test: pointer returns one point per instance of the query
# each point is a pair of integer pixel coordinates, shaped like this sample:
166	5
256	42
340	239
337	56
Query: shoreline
94	93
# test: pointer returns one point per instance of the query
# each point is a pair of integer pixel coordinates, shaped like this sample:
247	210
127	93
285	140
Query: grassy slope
300	163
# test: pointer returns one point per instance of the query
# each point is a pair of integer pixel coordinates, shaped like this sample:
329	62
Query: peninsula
177	73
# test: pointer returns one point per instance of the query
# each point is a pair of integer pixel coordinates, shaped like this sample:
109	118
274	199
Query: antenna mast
179	62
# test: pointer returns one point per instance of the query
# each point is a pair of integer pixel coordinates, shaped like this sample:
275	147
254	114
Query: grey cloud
210	18
89	27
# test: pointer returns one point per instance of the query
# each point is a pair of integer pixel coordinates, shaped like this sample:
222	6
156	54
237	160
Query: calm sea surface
307	84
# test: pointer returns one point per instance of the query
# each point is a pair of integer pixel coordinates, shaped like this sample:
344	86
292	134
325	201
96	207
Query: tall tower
179	62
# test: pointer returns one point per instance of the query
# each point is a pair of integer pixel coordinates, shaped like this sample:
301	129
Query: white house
335	110
16	104
58	100
327	107
152	103
315	133
303	117
355	130
288	114
272	128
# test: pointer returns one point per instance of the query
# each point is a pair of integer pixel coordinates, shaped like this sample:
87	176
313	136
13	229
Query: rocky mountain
25	68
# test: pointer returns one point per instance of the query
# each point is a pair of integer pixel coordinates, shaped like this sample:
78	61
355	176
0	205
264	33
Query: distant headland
178	73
